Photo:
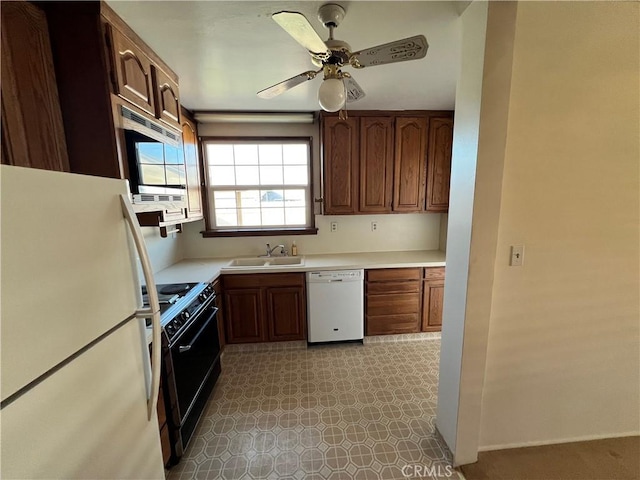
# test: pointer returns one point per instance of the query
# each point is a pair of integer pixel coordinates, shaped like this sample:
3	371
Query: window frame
207	189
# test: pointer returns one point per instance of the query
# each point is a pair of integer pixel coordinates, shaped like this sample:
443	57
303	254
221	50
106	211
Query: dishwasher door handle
336	280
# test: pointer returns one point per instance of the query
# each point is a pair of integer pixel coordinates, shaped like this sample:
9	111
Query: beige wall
395	232
563	349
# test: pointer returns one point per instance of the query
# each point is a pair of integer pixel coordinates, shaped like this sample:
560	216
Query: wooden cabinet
393	301
132	71
192	166
166	98
404	300
432	299
340	153
387	162
264	307
244	315
285	309
409	177
439	164
376	164
102	65
32	129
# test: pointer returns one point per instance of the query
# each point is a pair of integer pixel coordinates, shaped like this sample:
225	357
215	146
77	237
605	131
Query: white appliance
78	391
335	306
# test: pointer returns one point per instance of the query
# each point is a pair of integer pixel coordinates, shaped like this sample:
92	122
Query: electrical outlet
517	255
374	226
334	226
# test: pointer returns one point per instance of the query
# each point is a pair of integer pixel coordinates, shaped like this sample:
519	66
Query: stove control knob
186	315
178	322
171	329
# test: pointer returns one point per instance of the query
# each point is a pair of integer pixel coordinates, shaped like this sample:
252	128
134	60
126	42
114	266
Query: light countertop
208	269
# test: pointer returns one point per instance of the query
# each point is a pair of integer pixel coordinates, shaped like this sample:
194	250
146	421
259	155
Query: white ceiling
226	51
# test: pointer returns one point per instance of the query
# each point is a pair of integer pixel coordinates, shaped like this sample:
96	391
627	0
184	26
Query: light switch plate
517	255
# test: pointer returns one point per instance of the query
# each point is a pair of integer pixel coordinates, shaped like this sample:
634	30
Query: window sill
259	233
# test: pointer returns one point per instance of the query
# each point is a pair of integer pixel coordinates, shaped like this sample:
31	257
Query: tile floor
285	411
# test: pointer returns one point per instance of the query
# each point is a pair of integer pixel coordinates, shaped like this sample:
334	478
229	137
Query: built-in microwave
157	174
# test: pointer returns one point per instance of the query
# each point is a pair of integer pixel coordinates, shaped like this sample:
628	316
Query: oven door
194	354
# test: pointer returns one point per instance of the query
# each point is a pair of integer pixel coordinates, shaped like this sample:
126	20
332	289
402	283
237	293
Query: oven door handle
186	348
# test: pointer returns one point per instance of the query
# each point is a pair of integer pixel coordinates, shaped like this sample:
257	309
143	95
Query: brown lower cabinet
432	296
403	300
264	307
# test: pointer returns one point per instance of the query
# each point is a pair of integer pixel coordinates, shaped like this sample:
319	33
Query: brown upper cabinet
376	164
409	177
166	97
386	162
133	71
101	65
340	144
192	166
32	131
439	164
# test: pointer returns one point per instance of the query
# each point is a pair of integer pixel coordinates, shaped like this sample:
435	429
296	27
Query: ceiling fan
338	86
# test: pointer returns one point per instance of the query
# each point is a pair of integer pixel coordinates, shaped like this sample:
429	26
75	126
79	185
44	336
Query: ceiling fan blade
412	48
354	91
297	25
278	88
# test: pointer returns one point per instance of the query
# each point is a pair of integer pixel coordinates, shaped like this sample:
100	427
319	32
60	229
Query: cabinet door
433	295
166	98
286	313
376	164
133	72
410	164
439	164
340	154
32	129
192	166
243	315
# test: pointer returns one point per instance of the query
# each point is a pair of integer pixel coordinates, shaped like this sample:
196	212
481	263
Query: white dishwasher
335	306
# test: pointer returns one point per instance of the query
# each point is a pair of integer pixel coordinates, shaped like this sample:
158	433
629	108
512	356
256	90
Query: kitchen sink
285	261
265	262
247	262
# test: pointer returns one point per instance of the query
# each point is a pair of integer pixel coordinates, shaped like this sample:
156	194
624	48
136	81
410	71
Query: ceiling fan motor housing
331	14
340	53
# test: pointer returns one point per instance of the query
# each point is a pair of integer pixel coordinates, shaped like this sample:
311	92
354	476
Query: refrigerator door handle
154	305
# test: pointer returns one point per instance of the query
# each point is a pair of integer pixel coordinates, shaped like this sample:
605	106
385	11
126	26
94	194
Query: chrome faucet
270	250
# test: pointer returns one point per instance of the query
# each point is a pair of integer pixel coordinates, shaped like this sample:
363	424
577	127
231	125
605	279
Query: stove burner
173	289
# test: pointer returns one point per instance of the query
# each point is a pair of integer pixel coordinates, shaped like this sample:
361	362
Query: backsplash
162	251
394	233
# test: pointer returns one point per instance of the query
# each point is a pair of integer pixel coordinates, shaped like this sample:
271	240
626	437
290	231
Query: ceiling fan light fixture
332	94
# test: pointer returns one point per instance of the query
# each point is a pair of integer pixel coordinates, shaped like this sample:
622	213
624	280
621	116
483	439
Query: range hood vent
133	121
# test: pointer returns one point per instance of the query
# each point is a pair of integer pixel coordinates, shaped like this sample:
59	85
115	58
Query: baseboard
585	438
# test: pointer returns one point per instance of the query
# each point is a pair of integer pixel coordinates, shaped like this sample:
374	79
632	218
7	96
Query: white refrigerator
78	388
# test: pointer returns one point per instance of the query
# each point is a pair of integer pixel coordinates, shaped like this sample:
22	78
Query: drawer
434	273
401	303
384	274
385	288
392	324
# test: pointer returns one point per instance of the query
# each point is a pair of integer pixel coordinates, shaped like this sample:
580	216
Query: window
258	186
